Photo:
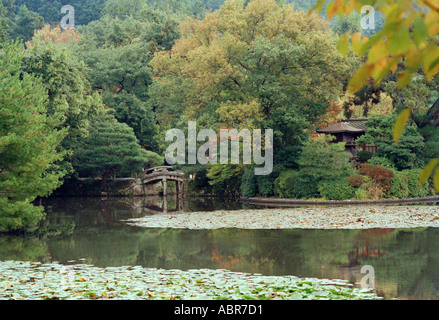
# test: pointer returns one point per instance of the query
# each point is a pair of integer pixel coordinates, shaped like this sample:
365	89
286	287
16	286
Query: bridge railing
161	171
158	169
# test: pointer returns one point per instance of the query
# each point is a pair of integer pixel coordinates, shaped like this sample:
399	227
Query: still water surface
91	231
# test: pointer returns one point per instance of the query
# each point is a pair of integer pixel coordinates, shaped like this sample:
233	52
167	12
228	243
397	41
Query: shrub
283	184
305	186
294	184
248	184
336	190
364	155
356	180
381	161
414	189
265	185
372	188
361	194
405	184
380	175
400	186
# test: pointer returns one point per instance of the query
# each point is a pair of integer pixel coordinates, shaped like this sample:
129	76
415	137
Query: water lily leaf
296	296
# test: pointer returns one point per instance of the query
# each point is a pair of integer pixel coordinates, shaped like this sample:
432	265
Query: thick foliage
380	175
29	139
112	148
336	190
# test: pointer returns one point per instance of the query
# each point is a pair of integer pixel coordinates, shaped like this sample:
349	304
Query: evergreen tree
323	160
7	9
50	10
407	154
111	148
4	26
117	50
28	144
25	24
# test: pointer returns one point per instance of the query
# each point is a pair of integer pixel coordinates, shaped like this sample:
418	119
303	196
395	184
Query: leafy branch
407	43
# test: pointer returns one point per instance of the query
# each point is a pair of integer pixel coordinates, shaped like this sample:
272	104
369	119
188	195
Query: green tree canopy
323	160
117	50
260	65
25	24
7	9
71	99
29	139
85	10
407	154
112	149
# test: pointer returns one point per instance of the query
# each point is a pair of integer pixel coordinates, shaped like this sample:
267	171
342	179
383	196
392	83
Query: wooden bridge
165	174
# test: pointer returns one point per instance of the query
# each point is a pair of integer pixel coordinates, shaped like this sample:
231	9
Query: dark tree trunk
433	114
104	180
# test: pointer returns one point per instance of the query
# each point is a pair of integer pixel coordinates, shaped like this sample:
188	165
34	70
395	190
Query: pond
90	231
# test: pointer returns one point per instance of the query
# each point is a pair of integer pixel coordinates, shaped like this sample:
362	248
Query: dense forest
131	70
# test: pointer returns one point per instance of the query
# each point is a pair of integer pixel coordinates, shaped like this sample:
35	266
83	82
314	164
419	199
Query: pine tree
28	142
26	22
6	17
111	148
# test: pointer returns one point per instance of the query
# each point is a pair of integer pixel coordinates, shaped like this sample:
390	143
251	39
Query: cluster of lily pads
21	280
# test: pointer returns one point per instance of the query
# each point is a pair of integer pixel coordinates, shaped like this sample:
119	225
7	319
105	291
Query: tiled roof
340	127
356	123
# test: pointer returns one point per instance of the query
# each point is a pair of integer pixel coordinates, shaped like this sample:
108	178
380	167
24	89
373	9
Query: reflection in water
91	231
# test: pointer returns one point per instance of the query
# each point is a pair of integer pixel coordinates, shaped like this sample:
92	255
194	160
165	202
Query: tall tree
25	24
117	50
29	139
7	9
85	10
71	99
260	65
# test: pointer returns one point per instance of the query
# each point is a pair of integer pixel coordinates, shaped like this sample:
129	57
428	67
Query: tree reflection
93	231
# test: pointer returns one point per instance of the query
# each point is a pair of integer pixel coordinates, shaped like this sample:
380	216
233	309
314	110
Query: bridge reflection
169	203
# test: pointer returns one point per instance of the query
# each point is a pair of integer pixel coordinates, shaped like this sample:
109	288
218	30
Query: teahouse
348	130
